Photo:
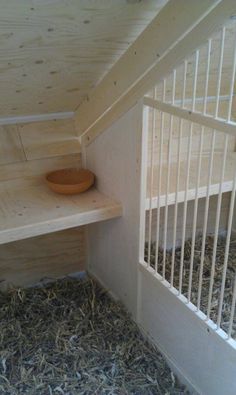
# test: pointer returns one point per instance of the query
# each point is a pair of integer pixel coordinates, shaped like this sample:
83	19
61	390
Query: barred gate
189	169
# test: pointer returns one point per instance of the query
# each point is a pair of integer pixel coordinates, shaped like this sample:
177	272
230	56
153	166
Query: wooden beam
196	117
153	55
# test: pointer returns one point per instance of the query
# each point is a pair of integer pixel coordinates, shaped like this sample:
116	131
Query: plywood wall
26	262
27	152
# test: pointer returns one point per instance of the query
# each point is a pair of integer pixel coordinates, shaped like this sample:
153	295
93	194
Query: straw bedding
219	262
70	338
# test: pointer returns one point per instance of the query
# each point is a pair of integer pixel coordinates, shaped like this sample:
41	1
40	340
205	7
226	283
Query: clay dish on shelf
70	181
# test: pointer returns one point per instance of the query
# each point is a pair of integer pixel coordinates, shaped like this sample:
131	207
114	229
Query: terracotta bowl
70	181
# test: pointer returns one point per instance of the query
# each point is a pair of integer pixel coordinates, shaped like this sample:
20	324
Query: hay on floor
71	338
230	274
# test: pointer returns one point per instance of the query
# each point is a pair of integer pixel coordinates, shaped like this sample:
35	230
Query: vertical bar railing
220	70
218	210
217	222
185	209
197	188
177	179
226	255
151	184
143	183
168	179
187	175
195	212
204	231
159	179
232	83
194	282
232	309
196	195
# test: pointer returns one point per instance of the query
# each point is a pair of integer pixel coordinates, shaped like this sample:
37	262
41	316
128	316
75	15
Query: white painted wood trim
202	192
36	118
154	276
115	157
209	99
142	194
139	68
171	363
205	120
201	352
143	182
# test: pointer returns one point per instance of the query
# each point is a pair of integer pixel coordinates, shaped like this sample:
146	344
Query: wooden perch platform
35	210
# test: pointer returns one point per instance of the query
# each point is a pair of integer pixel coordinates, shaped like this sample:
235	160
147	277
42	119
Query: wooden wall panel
26	262
33	171
27	153
49	139
11	149
114	245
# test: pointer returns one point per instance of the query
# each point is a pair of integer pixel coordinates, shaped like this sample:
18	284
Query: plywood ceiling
52	52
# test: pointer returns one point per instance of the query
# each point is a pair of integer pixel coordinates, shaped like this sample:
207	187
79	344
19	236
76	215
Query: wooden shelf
36	210
202	191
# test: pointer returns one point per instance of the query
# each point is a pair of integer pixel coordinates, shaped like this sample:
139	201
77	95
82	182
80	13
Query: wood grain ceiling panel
52	52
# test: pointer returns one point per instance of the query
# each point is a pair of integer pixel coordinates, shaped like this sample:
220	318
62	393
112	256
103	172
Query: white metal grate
190	172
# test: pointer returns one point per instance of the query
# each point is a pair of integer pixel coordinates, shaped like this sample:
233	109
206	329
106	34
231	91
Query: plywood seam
21	142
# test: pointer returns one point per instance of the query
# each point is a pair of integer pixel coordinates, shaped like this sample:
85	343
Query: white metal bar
197	183
168	178
151	188
226	256
188	172
232	310
210	168
195	117
217	228
159	179
232	81
220	70
185	208
195	79
143	183
195	215
173	86
166	205
207	76
176	205
183	99
177	178
197	189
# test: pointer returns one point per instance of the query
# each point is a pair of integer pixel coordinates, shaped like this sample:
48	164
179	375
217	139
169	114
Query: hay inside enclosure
71	338
230	275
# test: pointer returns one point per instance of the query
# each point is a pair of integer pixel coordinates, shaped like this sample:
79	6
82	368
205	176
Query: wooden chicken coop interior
51	59
143	94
